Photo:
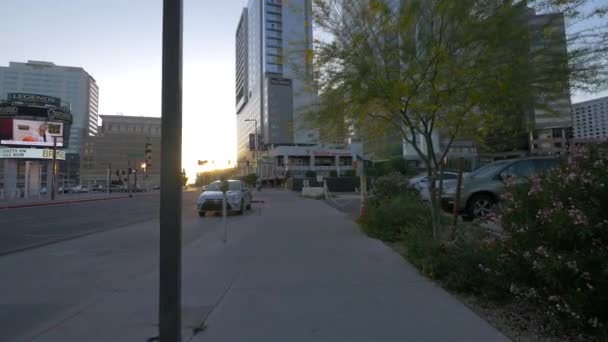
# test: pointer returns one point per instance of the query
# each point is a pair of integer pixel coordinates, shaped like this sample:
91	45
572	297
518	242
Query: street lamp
255	148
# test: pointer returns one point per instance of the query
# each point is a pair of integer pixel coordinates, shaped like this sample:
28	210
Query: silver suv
481	188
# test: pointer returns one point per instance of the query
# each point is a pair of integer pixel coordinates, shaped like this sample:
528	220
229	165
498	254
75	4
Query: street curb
45	204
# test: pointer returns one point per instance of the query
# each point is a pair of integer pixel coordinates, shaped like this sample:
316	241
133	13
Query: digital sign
31	133
13	110
30	153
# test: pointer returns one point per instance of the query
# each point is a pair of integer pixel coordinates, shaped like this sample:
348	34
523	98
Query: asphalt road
42	286
22	228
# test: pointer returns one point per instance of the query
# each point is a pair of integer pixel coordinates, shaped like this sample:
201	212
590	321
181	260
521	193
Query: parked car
43	191
421	183
238	198
98	188
115	188
80	189
482	188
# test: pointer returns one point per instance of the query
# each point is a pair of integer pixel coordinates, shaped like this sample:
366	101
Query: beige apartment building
121	144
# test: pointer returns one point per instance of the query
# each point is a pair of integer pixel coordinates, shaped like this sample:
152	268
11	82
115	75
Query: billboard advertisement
30	153
32	133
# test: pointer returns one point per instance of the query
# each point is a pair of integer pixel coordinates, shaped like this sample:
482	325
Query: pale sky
119	43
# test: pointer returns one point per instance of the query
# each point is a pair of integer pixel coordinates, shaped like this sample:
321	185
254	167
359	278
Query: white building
273	75
591	119
72	84
294	161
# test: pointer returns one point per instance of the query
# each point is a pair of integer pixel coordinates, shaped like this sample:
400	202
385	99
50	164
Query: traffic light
148	155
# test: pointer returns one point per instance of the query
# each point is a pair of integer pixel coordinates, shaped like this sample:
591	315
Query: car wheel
201	213
480	206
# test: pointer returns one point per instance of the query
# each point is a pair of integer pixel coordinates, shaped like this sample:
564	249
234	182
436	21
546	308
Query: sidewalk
293	270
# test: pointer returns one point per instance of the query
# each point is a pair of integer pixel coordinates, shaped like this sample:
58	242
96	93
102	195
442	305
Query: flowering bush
388	187
555	252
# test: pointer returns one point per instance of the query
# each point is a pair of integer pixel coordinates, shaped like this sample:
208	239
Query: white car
80	189
238	198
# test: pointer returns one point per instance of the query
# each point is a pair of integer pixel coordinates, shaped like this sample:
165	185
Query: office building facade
274	75
591	119
121	144
77	88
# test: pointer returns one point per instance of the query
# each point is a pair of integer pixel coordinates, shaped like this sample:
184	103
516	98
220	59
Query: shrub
395	217
349	173
556	250
385	167
333	173
389	186
250	179
311	174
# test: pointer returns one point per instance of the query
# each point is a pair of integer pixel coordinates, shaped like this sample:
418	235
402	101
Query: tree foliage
458	69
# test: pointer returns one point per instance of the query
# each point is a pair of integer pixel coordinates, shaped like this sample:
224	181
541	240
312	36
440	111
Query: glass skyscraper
274	75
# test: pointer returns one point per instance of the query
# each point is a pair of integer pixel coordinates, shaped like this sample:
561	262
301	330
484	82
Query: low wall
313	192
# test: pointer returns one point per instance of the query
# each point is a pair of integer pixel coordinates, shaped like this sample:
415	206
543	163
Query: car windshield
489	169
217	186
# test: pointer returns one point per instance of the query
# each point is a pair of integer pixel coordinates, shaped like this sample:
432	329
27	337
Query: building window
273	42
274	17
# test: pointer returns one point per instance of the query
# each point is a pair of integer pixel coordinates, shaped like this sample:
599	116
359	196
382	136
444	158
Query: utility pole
169	309
109	178
54	168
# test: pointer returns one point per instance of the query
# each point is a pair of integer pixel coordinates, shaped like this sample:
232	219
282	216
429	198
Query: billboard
30	153
32	133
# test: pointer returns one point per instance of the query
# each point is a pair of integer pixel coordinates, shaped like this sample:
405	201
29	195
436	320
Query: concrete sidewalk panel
309	274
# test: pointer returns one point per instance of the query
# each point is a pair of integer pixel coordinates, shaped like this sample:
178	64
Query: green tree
458	69
184	177
251	179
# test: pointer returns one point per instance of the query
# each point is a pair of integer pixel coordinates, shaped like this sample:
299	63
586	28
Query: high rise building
274	75
551	121
73	85
591	119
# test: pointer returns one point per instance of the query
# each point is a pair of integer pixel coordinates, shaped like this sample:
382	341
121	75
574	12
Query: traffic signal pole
169	314
54	172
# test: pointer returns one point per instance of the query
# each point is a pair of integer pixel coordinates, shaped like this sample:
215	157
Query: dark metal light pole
53	173
170	184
